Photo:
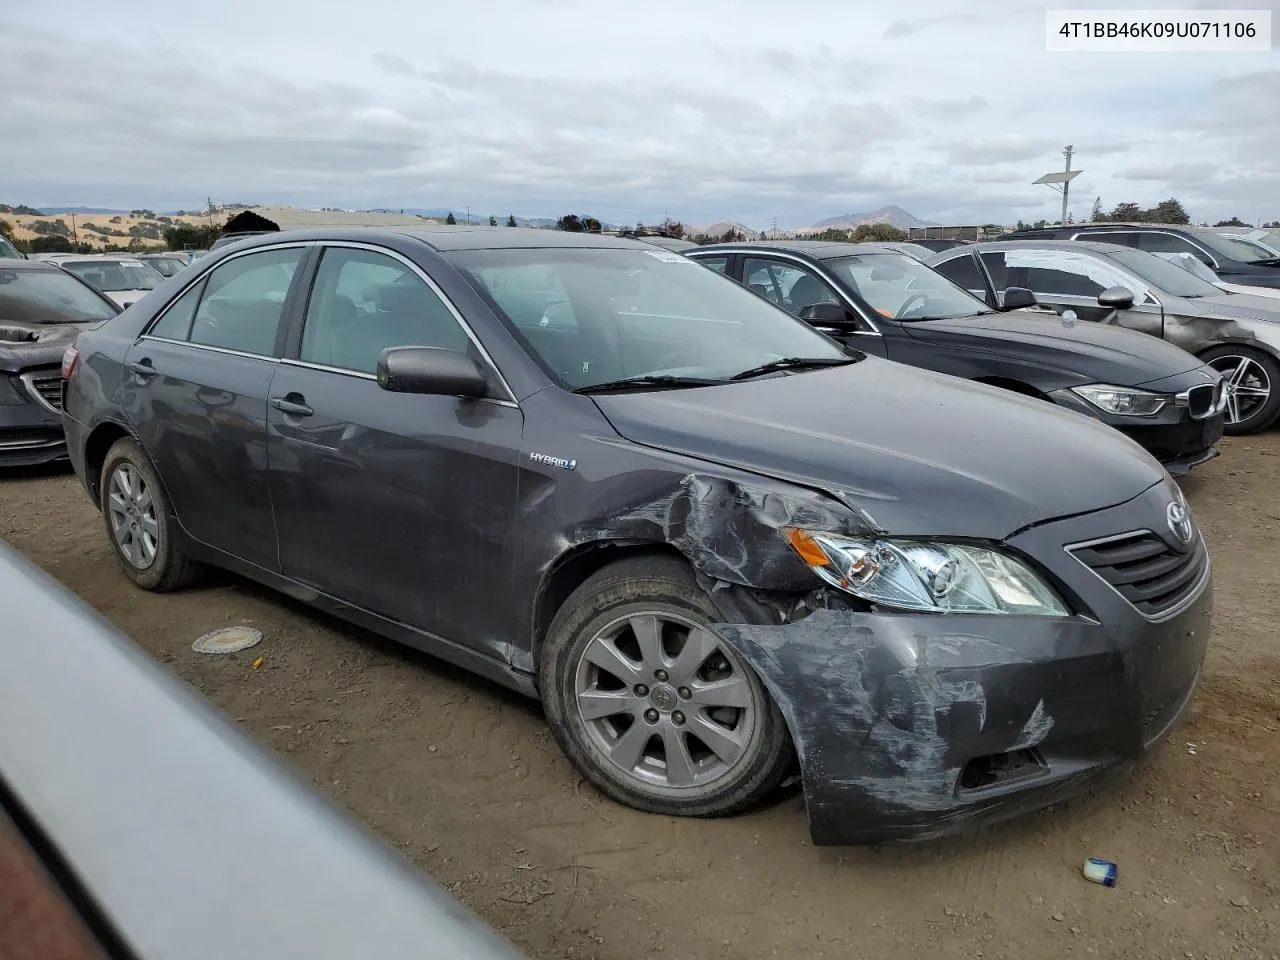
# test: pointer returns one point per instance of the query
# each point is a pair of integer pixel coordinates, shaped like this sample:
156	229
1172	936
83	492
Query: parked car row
1236	334
721	544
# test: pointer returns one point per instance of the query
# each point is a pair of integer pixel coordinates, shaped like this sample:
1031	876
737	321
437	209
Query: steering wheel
909	303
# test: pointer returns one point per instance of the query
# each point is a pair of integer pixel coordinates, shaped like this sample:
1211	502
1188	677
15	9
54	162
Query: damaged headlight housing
925	575
1122	401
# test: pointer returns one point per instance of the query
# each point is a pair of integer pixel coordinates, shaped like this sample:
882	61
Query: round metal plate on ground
227	640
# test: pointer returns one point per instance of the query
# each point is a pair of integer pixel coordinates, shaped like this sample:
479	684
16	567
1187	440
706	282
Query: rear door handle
143	369
291	408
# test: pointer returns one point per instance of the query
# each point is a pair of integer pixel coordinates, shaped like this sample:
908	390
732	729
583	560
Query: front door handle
143	369
291	407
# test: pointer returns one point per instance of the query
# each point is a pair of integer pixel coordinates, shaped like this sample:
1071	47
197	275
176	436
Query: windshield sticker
666	256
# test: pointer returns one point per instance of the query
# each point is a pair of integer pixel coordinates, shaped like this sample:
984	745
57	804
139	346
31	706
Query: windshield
1163	275
592	316
113	275
7	249
902	288
1233	249
166	266
49	296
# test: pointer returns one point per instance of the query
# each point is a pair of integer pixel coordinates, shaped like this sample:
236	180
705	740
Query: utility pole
1066	184
75	236
468	215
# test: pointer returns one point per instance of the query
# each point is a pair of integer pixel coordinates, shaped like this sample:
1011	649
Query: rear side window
963	272
175	324
718	264
243	302
1118	237
364	302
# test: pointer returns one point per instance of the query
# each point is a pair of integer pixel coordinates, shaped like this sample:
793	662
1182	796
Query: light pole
1062	181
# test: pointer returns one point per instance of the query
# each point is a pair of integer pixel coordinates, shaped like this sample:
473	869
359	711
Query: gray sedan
1237	334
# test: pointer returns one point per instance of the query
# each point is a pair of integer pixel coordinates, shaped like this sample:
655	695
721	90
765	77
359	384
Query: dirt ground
466	781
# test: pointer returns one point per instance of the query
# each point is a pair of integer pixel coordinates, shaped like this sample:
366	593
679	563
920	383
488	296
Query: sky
739	110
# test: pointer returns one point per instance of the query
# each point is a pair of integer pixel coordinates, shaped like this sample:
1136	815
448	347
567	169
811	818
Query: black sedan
876	299
1236	334
714	542
42	308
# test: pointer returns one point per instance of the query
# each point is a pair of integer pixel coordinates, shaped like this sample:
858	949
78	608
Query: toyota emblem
1179	522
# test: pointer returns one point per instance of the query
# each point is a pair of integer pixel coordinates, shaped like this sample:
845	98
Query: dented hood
920	453
25	345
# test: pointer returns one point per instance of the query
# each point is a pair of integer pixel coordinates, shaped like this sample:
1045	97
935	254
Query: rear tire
650	704
139	522
1254	401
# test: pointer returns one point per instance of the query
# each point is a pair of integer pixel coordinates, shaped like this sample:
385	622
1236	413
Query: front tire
138	520
650	703
1253	387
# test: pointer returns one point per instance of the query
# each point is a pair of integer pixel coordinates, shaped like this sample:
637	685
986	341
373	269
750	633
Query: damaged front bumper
914	726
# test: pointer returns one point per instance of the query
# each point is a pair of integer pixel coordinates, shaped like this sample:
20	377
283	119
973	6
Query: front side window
49	296
790	287
1172	278
903	288
363	302
111	276
637	313
243	302
1060	273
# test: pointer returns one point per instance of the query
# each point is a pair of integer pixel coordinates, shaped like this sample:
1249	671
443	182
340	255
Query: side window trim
290	354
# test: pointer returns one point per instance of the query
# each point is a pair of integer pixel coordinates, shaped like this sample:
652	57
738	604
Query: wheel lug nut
660	676
677	717
641	690
651	716
685	693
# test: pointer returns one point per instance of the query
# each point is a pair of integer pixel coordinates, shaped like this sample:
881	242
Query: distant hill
441	213
720	228
891	214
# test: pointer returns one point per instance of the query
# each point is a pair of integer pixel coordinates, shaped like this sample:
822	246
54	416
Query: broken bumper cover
915	726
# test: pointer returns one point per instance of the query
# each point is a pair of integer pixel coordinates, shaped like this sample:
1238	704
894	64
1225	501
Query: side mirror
1116	298
1017	298
430	370
827	315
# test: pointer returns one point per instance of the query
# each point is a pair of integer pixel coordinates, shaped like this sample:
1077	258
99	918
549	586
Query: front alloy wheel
651	703
664	699
1250	379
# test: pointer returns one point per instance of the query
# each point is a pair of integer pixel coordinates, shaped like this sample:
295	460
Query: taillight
70	360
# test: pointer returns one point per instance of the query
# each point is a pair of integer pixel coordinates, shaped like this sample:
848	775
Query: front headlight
923	575
1124	401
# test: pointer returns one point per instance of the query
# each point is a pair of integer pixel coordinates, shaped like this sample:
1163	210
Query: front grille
1145	570
1202	400
46	388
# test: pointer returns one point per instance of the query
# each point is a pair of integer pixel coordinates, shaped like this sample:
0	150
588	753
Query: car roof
13	263
100	258
448	238
1049	243
814	249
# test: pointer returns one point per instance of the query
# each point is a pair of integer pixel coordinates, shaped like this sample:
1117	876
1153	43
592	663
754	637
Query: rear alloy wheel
1252	384
651	703
138	521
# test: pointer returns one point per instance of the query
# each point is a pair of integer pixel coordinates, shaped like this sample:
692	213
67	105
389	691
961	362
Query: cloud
906	28
563	105
1002	148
